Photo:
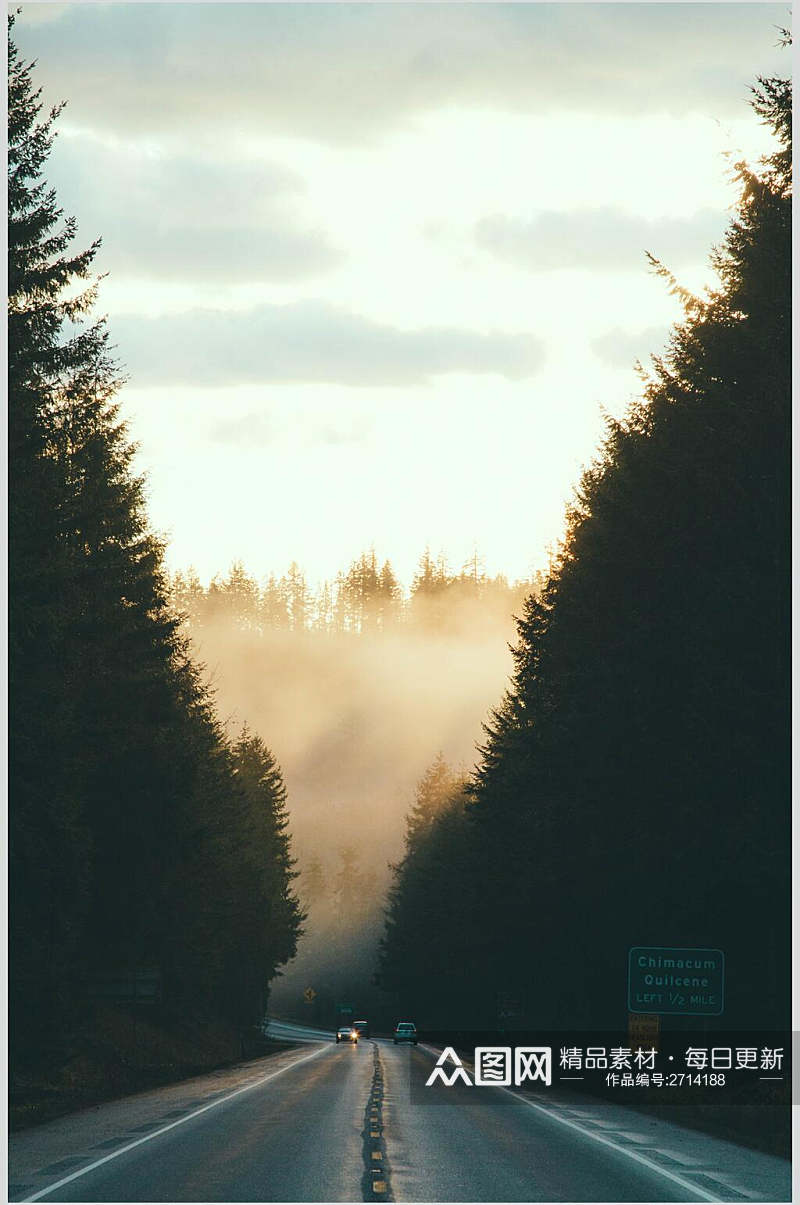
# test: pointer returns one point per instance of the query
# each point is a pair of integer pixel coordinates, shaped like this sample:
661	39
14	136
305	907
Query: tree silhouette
634	782
139	838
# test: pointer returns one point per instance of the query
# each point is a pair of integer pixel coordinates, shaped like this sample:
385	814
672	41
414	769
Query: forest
209	782
366	599
633	786
149	847
361	684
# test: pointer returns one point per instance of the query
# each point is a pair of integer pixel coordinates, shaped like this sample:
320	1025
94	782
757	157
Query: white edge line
623	1150
595	1137
146	1138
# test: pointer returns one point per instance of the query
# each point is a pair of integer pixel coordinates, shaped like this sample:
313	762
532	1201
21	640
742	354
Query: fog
354	720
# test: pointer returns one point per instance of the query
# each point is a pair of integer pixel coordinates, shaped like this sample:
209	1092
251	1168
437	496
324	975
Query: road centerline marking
375	1179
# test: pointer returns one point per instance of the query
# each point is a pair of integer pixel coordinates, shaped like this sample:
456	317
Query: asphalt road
340	1123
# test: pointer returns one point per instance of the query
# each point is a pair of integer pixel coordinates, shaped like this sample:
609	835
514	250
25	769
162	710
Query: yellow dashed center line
377	1173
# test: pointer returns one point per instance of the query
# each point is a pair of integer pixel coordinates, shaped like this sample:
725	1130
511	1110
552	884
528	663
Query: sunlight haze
375	281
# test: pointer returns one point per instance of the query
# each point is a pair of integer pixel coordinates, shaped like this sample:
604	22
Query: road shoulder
41	1154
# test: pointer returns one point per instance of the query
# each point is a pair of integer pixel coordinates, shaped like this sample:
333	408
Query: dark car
362	1027
405	1031
346	1033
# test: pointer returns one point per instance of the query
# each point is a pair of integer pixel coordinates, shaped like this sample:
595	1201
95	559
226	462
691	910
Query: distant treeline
367	598
346	894
634	787
142	840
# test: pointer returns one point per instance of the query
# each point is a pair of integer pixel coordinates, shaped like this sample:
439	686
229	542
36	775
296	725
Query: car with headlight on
362	1027
346	1033
405	1031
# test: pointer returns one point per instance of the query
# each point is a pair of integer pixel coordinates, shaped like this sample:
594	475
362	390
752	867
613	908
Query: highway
322	1122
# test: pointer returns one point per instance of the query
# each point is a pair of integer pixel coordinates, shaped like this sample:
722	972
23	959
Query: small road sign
309	995
644	1031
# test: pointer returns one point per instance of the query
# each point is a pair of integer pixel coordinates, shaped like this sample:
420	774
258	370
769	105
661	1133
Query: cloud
602	239
348	73
256	430
42	13
309	341
334	435
189	218
622	349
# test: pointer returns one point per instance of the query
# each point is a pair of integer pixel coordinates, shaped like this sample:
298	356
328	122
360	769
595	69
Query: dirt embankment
124	1050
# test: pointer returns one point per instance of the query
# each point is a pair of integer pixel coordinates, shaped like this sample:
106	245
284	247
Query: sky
376	272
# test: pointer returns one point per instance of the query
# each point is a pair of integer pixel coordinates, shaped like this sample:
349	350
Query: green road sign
345	1008
676	979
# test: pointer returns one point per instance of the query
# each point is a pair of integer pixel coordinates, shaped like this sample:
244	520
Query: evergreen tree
139	838
297	598
347	883
362	592
423	953
429	607
314	884
86	592
274	608
647	726
271	918
390	597
650	703
188	596
242	597
323	609
434	793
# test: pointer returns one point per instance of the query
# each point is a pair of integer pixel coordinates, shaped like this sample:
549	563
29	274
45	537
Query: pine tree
422	952
347	883
364	594
271	916
634	783
299	602
188	597
314	884
650	704
435	792
84	572
139	838
391	597
274	608
429	606
241	597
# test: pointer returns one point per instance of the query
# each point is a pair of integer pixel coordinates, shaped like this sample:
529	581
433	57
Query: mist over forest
462	800
357	686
